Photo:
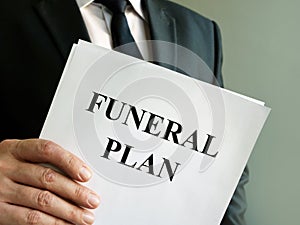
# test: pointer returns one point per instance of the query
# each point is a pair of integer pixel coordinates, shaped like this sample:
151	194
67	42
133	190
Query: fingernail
93	200
88	218
84	173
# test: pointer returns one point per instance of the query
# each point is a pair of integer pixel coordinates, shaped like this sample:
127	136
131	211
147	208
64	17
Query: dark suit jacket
36	38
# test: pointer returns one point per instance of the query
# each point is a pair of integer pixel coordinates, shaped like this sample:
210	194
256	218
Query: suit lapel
162	28
64	21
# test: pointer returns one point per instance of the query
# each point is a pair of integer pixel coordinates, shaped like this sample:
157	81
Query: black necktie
121	35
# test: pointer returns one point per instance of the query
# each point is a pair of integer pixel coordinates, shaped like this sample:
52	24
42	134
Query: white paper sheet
201	187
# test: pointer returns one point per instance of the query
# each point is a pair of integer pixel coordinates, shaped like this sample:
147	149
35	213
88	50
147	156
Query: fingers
33	194
17	215
47	202
43	151
48	179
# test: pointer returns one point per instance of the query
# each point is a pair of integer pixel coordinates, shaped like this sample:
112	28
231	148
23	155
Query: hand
33	194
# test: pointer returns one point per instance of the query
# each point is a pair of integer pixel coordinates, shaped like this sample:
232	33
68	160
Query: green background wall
261	59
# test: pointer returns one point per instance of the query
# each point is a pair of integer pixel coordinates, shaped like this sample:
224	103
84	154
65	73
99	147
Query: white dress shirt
97	19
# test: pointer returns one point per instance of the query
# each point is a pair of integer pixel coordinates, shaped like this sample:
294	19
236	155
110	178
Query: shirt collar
136	4
83	3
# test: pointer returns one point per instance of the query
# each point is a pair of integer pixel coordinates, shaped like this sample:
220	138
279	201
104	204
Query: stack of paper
165	148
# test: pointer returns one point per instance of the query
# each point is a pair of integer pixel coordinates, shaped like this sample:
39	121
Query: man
36	38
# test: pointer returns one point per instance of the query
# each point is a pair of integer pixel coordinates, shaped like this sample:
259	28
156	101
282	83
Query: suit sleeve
237	207
234	214
218	54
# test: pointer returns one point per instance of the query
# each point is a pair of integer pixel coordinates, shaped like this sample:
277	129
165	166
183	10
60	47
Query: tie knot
116	6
